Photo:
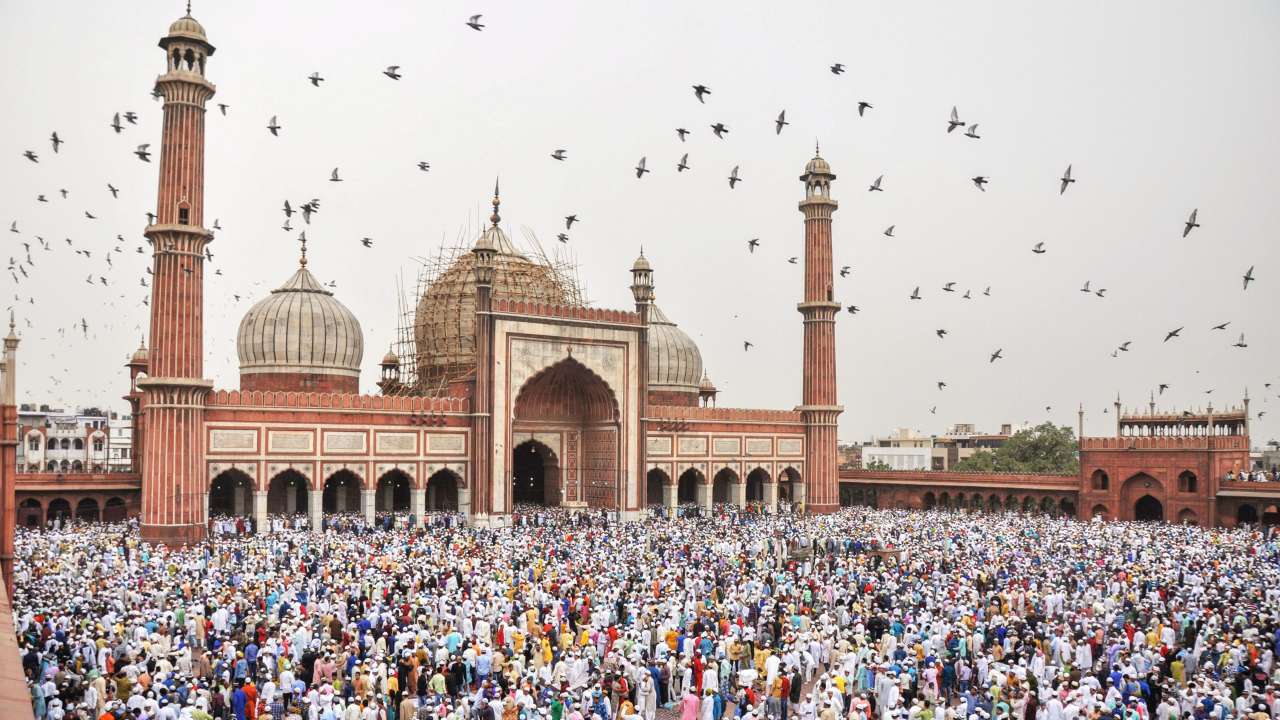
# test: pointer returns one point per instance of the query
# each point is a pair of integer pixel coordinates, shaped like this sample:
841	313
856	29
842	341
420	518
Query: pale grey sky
1161	107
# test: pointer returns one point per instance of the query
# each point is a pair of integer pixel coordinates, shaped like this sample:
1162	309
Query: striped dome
674	361
300	328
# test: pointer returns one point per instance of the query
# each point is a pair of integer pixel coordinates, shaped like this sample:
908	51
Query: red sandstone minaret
8	453
173	479
482	501
819	408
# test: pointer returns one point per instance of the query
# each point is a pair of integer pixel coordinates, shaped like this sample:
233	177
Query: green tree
877	465
1045	448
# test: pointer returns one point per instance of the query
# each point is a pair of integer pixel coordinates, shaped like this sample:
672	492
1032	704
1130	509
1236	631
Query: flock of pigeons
19	263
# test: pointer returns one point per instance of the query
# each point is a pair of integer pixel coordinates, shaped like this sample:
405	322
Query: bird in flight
115	123
115	191
888	232
42	198
1124	346
864	106
733	177
222	108
640	169
701	91
1101	292
1248	277
683	164
933	410
949	287
1172	334
562	238
681	132
90	215
997	355
131	117
844	271
57	141
941	333
1039	249
1223	326
792	259
875	186
392	72
1085	289
315	79
274	126
569	220
780	122
719	129
1190	223
981	182
1066	180
972	132
474	23
333	176
1241	343
64	192
941	385
746	345
142	153
1163	387
367	242
853	309
559	154
955	120
424	166
987	292
837	68
31	156
13	227
288	209
915	294
966	295
752	244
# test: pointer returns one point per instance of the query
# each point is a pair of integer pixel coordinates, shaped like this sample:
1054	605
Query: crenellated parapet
508	306
337	401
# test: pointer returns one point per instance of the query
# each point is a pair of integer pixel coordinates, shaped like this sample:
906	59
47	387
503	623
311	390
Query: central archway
1147	508
533	479
569	400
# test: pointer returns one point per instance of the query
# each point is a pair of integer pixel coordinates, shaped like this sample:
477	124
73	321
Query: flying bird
863	106
1085	289
1163	387
474	23
733	177
941	333
792	259
42	198
972	132
837	68
131	117
315	79
13	227
1039	249
933	410
966	295
949	287
844	271
955	120
888	232
559	154
424	166
1223	326
391	72
288	209
640	169
1248	277
746	345
780	122
683	164
31	156
681	132
1190	223
367	242
1241	343
142	153
701	91
274	126
222	108
115	123
915	294
57	141
333	176
115	191
63	192
569	220
853	309
875	186
562	238
752	244
1101	292
1124	346
980	182
1172	334
90	215
997	355
1066	180
719	129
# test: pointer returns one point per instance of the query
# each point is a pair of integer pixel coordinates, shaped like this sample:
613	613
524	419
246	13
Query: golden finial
495	218
302	240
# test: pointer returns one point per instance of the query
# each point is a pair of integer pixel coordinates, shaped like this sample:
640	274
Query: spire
188	8
302	240
495	218
817	150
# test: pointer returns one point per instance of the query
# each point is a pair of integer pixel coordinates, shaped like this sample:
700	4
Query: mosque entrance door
229	494
1148	508
529	471
576	413
287	493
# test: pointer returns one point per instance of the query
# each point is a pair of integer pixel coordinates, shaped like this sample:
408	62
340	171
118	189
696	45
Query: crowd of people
1257	475
864	614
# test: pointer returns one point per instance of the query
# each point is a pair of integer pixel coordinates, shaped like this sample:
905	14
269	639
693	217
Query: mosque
509	389
515	392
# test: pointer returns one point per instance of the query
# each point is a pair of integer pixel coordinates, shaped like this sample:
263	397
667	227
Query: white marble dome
300	328
675	364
